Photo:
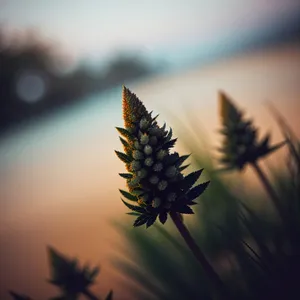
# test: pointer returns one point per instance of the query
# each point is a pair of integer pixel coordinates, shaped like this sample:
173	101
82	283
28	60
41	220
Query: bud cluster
154	179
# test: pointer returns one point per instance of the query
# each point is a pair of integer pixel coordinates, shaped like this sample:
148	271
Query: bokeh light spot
30	87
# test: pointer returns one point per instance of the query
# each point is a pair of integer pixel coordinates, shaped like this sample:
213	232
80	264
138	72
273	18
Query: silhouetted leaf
183	168
197	190
185	210
151	220
163	217
141	220
181	159
169	144
190	179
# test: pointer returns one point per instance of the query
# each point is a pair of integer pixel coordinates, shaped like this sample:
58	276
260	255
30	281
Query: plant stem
90	295
213	276
267	185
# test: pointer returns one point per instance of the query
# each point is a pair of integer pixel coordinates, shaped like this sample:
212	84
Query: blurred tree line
35	78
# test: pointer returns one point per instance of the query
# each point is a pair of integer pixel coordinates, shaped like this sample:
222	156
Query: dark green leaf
133	213
125	143
151	220
197	190
125	133
141	220
126	175
123	157
134	208
128	195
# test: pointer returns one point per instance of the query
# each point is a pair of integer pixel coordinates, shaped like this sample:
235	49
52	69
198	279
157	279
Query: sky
94	28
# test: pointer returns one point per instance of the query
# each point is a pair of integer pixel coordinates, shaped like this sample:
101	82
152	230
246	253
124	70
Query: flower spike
154	179
240	145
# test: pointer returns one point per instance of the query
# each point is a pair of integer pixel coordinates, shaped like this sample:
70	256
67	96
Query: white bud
161	154
142	173
144	123
153	179
148	150
148	162
162	185
137	145
136	154
156	202
135	165
144	139
158	167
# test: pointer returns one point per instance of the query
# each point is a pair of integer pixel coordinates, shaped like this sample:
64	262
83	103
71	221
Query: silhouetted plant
71	279
241	145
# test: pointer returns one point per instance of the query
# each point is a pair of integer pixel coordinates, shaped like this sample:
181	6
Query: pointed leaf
197	190
274	148
141	220
264	143
133	214
190	179
192	203
125	143
123	157
126	175
128	195
163	217
169	144
181	159
169	136
125	133
134	208
185	209
183	167
151	220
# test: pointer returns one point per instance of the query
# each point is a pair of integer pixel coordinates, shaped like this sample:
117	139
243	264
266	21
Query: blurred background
62	66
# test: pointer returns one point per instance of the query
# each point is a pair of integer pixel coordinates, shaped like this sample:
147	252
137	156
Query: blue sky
94	28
